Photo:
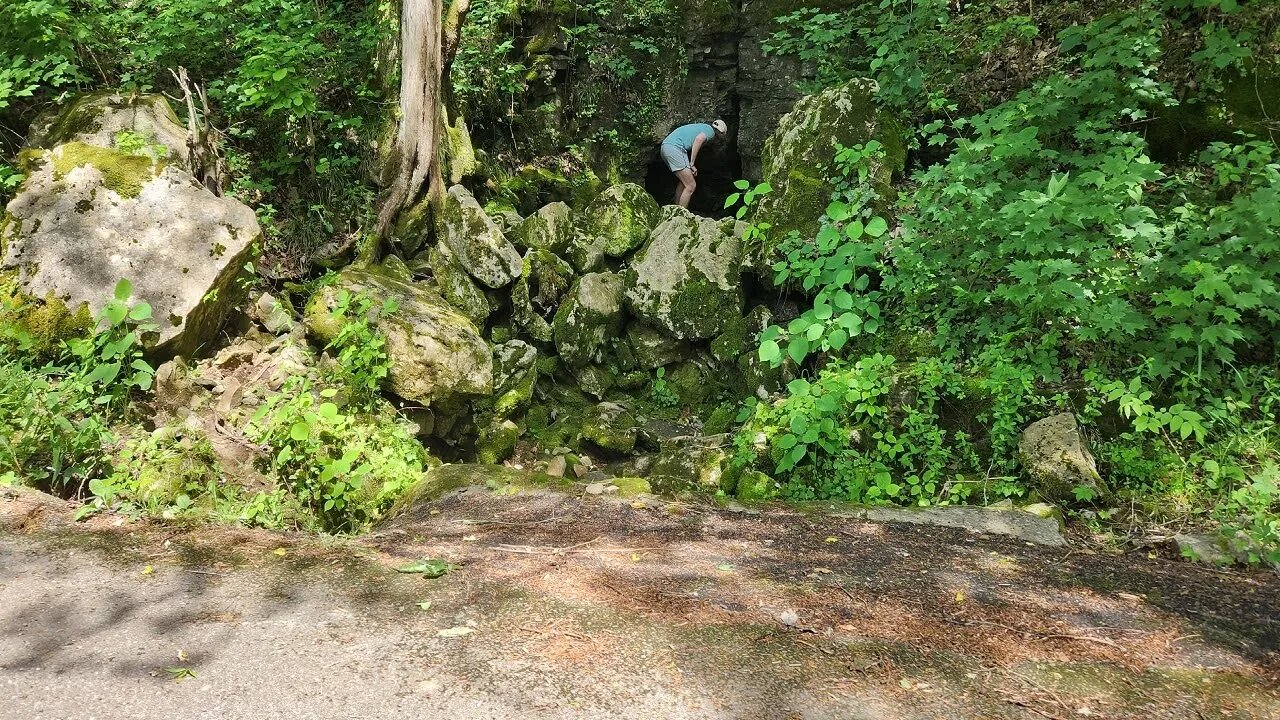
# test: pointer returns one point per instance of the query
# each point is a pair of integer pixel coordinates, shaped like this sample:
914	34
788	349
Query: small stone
580	471
789	618
595	489
557	466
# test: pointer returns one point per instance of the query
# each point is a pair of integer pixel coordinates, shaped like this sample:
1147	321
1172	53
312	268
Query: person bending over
680	153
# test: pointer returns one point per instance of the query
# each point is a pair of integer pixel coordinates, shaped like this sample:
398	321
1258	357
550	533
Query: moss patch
121	172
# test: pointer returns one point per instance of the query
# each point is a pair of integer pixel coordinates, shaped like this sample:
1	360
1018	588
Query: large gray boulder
591	315
476	241
616	222
130	122
87	216
550	229
1057	460
437	355
800	157
687	279
455	284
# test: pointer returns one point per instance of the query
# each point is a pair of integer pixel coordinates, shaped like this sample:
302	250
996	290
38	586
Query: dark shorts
676	158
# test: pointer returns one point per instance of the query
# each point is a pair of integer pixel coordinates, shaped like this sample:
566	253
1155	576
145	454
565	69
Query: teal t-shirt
683	136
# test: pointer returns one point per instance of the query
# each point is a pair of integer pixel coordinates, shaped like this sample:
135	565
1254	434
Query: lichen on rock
1057	460
800	157
589	318
455	284
475	240
687	279
550	229
437	355
91	216
544	281
616	222
610	426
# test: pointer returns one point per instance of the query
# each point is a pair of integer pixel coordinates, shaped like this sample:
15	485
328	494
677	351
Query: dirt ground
569	606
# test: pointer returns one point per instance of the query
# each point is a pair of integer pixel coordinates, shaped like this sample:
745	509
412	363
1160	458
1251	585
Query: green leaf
877	227
769	351
299	431
141	311
428	568
124	289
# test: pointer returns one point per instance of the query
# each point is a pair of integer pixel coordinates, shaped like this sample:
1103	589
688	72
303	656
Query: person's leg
687	184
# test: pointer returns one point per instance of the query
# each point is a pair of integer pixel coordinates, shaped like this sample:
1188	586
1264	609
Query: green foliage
1048	259
361	349
868	431
56	418
661	393
342	465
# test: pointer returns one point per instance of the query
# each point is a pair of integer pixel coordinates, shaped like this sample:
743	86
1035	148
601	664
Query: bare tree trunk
429	39
421	67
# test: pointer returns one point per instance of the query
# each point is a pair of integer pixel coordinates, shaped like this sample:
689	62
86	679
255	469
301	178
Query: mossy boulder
544	282
437	355
754	486
1057	460
497	441
141	124
799	158
617	222
692	464
415	503
87	217
611	427
515	372
590	317
550	229
687	279
456	286
476	241
650	348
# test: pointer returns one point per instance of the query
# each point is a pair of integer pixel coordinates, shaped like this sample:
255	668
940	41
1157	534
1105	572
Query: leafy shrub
361	349
343	466
56	418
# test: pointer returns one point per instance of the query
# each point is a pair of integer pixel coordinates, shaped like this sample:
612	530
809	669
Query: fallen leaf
148	570
959	596
180	673
428	568
832	539
424	605
280	552
725	567
182	656
455	631
635	557
905	684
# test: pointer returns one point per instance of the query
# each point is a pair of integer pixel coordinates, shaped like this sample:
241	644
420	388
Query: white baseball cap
720	127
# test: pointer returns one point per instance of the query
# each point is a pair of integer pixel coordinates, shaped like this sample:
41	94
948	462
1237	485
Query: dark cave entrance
718	168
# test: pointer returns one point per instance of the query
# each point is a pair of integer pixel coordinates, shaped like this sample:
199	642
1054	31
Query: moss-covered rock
496	441
611	427
515	372
688	464
415	503
1057	460
437	355
799	158
651	348
595	380
46	323
456	286
475	240
741	336
134	124
87	217
754	486
125	173
544	282
687	279
550	229
459	153
617	222
589	318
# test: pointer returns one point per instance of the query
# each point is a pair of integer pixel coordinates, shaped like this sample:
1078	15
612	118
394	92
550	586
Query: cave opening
719	166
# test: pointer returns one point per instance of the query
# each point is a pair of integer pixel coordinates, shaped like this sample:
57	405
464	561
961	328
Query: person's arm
697	145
